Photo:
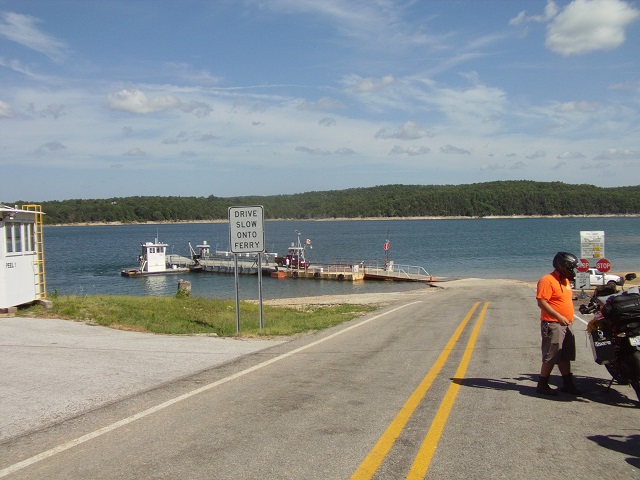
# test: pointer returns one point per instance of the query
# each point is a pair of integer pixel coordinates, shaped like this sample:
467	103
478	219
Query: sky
118	98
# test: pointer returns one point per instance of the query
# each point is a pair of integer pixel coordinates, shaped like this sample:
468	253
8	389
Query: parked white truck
597	278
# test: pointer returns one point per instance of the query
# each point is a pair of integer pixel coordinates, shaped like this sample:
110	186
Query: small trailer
22	273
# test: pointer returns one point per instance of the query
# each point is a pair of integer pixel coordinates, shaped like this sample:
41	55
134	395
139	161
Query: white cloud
50	147
550	11
570	155
327	122
582	107
199	109
345	151
22	29
451	149
325	152
136	101
324	103
492	166
411	151
135	152
365	85
618	154
5	110
313	151
408	131
590	25
52	110
536	154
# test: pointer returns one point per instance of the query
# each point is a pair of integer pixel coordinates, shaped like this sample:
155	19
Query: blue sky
103	99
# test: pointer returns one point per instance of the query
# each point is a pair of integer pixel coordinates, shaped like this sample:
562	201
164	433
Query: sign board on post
592	244
603	265
246	235
246	229
583	266
583	279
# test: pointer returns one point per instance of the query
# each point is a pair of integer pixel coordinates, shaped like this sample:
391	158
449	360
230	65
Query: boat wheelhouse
153	261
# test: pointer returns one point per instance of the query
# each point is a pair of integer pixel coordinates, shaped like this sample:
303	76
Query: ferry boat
295	257
153	261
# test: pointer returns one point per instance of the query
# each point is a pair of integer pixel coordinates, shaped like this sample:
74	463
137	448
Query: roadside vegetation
193	315
507	198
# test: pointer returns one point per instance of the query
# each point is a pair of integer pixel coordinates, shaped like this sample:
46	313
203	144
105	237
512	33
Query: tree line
504	198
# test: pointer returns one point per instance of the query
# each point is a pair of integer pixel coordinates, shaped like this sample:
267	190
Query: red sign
583	266
603	265
386	245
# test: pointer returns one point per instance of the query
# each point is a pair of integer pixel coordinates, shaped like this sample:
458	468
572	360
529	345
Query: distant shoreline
339	219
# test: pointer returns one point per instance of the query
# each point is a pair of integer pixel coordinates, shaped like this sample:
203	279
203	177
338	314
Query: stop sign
583	266
603	265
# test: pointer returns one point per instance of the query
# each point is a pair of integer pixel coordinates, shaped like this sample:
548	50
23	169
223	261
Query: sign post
246	235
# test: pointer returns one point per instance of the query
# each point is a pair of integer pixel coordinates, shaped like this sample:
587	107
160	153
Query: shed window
8	228
30	237
20	237
17	236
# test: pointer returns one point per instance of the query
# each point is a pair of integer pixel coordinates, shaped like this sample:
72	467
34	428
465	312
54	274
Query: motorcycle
614	332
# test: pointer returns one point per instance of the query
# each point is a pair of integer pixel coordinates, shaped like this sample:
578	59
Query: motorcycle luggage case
601	346
623	308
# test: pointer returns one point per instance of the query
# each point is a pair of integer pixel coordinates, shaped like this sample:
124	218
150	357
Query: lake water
88	259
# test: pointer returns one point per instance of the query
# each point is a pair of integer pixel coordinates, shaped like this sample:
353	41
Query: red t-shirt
559	296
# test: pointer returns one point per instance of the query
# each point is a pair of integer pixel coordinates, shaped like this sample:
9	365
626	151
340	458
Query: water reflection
157	285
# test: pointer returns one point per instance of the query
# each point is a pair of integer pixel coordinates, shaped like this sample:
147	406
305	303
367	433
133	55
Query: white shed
22	276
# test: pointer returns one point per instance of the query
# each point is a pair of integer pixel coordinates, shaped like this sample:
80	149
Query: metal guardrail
399	271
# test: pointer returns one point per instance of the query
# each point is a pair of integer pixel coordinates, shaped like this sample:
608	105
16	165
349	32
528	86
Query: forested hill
473	200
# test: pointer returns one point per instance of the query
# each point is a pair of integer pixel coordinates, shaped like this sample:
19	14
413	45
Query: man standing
555	300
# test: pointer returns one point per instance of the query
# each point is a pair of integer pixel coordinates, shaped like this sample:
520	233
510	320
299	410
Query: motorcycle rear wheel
634	379
617	374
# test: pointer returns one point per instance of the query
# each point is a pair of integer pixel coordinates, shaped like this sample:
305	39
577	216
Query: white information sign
592	244
246	229
583	280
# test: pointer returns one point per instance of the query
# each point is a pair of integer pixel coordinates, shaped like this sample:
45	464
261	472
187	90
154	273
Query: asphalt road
440	382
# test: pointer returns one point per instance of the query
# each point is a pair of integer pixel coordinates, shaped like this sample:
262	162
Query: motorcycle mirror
630	276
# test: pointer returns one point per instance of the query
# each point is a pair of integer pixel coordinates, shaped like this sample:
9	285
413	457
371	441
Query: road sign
583	266
387	245
246	229
246	235
592	244
583	280
603	265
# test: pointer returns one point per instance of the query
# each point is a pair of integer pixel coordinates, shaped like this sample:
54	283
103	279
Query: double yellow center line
372	462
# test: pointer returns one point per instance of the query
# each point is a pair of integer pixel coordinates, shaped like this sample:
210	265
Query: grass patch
192	316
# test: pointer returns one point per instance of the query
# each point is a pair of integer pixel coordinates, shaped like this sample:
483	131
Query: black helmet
566	264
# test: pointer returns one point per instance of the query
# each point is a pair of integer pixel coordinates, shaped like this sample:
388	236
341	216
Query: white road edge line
581	319
125	421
